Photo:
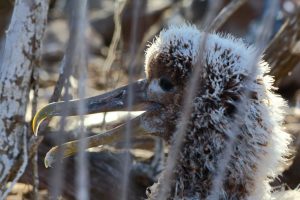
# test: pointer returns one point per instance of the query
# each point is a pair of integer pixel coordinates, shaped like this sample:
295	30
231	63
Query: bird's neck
203	169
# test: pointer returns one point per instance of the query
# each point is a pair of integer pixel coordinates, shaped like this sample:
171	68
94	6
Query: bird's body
260	143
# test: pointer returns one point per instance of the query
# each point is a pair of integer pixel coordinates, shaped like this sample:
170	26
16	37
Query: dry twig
283	52
119	5
34	159
225	14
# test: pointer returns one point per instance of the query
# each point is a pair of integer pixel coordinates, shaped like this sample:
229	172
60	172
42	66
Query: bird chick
227	84
229	89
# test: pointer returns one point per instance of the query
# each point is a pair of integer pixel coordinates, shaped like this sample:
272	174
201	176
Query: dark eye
165	84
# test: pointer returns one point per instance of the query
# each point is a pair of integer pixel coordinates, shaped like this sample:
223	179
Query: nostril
165	84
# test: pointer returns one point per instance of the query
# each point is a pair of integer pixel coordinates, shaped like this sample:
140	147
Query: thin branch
112	51
225	14
56	179
82	175
68	62
132	52
69	65
281	53
119	5
65	73
34	159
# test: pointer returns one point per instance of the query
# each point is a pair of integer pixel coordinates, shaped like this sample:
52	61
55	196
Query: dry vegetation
88	52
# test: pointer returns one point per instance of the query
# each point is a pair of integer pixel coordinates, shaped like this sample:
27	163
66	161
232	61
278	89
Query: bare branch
82	178
119	5
21	54
282	54
34	159
132	51
225	14
69	61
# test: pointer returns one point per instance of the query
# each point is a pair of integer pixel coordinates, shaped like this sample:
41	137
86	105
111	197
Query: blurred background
113	51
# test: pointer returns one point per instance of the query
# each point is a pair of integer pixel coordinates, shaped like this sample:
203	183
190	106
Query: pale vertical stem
265	29
70	58
20	54
214	7
262	36
56	179
74	57
119	7
82	176
192	88
35	176
225	13
34	161
112	51
133	48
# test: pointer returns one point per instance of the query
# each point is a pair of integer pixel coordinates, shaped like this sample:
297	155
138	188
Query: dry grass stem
279	53
132	50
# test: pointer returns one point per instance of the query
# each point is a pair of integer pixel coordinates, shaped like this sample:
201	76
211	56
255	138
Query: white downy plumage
230	90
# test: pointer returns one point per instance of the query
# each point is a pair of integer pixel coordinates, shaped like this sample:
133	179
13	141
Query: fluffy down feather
260	143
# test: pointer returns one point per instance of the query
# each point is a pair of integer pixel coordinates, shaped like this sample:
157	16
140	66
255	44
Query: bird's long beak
116	100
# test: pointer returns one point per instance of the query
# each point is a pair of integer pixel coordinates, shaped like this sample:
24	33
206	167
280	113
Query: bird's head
168	65
170	61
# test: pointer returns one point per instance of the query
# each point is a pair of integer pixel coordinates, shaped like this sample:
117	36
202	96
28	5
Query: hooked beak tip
49	160
37	120
41	115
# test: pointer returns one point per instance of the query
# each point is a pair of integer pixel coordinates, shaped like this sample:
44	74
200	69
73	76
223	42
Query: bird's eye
165	84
